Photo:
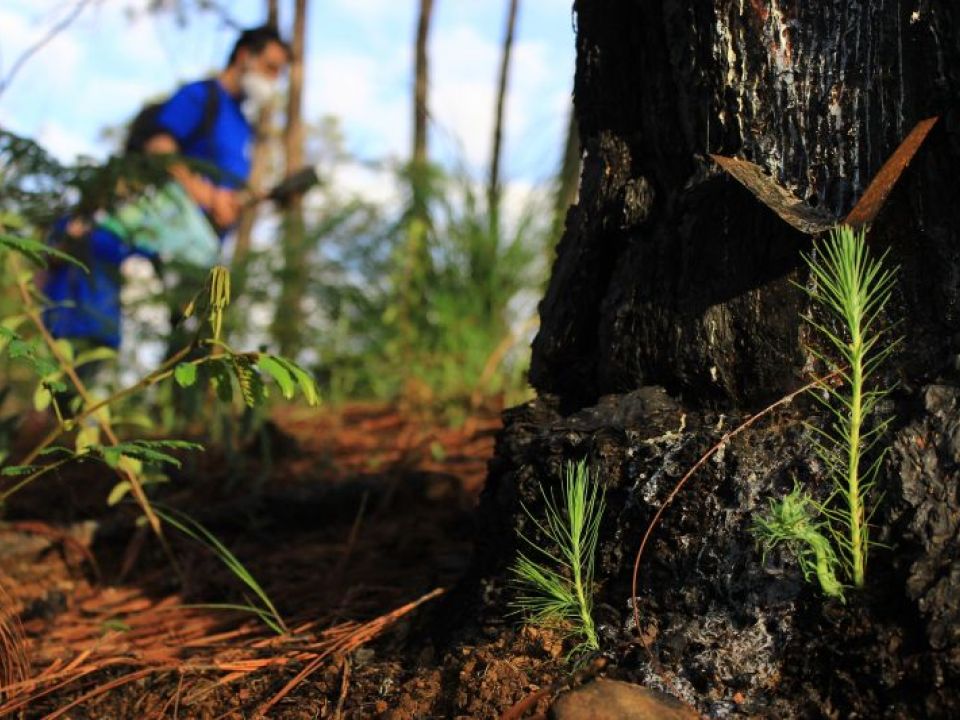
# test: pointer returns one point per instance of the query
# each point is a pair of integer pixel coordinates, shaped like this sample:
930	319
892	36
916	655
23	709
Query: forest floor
357	528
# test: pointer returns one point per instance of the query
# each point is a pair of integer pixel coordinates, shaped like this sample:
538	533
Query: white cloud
139	43
463	95
65	143
102	69
376	185
368	10
360	91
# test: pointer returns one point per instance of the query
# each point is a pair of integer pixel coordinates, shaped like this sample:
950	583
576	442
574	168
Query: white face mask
259	92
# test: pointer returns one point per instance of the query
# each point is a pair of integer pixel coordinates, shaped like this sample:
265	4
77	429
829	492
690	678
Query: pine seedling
852	289
791	522
556	588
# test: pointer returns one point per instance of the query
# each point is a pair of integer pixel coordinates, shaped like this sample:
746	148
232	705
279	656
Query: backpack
144	126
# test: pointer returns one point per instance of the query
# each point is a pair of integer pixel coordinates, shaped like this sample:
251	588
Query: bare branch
66	22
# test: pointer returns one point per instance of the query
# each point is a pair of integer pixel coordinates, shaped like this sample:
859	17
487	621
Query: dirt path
357	525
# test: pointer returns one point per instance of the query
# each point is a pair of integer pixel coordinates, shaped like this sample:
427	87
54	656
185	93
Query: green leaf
118	492
221	377
8	330
185	374
20	348
19	470
95	355
148	451
35	250
307	385
115	625
275	369
251	384
42	397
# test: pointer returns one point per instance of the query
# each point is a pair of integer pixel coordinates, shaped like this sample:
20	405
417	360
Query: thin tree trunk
493	183
414	263
258	170
421	75
288	323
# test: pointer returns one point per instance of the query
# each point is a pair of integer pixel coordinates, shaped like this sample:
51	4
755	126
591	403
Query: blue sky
359	68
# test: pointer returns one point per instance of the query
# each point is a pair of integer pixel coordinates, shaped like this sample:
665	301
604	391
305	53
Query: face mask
259	92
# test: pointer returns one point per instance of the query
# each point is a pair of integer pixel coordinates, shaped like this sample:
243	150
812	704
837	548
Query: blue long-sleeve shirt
87	305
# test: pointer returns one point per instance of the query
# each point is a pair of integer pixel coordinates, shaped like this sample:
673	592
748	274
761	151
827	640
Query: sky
115	57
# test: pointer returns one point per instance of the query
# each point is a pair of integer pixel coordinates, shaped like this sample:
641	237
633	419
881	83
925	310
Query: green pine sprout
556	590
852	289
791	522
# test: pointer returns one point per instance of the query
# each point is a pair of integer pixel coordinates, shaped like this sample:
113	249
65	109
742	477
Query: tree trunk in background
671	316
421	78
288	323
258	171
568	181
413	264
493	183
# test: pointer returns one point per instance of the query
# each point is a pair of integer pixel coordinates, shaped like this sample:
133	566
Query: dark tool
298	182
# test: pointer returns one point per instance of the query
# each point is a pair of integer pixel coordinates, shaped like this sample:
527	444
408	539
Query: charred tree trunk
687	274
672	314
568	179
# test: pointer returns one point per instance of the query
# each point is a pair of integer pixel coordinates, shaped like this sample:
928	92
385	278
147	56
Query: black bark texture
670	273
672	314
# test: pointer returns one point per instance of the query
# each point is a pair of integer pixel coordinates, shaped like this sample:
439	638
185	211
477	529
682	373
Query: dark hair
255	40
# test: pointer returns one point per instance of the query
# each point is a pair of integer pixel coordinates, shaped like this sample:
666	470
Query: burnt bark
672	314
671	273
568	179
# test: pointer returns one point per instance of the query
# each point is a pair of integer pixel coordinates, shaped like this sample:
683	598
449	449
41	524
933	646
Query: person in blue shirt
247	84
217	132
86	305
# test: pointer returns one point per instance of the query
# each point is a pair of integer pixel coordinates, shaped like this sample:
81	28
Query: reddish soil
356	528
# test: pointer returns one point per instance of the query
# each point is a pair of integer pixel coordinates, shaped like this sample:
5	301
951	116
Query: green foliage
36	251
419	306
148	451
790	522
556	582
34	189
260	605
852	290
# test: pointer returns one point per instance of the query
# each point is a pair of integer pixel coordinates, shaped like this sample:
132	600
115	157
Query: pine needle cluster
556	580
831	539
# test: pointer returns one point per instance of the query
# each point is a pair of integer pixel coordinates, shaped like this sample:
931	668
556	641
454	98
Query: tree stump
673	312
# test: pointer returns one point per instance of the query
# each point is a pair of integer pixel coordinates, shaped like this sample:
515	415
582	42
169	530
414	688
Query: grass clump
556	578
260	604
831	539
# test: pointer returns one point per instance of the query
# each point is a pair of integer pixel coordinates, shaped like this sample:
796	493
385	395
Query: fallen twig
344	686
346	639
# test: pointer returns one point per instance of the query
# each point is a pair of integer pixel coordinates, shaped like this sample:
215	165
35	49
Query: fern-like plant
852	289
555	581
